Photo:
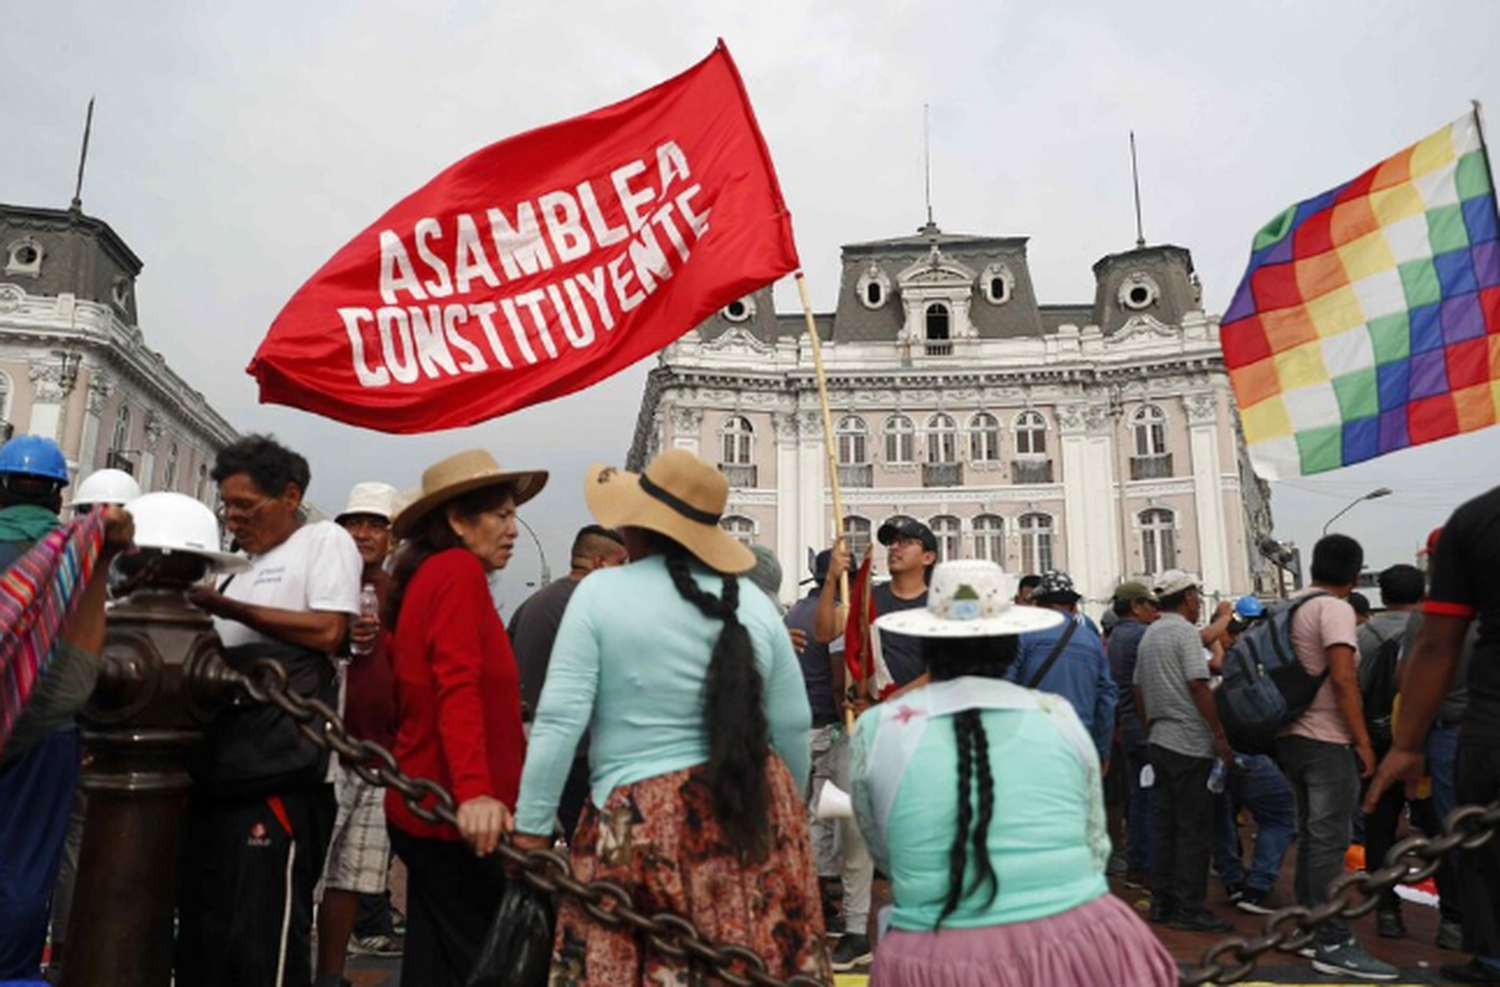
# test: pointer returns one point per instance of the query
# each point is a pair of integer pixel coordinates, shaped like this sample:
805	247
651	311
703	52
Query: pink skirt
1102	942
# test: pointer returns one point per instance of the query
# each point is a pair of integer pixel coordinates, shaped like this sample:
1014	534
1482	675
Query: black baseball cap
906	527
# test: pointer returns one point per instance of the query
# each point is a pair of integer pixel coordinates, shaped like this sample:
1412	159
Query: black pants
245	904
1184	827
1380	833
575	792
1479	784
451	896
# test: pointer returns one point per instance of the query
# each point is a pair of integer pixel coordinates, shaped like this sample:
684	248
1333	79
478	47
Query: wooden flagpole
828	437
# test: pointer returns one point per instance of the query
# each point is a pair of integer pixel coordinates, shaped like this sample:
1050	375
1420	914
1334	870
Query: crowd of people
660	715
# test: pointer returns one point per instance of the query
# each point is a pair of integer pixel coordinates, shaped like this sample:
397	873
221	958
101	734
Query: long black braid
733	714
951	659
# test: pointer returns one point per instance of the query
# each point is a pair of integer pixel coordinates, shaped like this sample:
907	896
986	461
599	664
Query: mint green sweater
629	665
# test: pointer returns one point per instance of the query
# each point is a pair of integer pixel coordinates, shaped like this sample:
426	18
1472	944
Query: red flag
540	265
859	628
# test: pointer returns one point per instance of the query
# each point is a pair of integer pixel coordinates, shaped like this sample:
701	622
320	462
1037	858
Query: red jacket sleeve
455	651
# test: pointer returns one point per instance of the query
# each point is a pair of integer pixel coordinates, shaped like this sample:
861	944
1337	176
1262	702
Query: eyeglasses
226	512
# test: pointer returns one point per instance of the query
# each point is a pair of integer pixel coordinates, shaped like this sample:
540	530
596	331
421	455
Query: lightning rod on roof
83	157
1135	176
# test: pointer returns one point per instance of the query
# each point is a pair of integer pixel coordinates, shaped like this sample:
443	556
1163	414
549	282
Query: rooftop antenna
1135	175
927	159
83	157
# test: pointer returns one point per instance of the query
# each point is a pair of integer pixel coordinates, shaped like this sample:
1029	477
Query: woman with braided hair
693	699
982	802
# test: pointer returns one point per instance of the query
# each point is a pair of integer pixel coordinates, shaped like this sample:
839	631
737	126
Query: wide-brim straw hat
677	495
970	598
459	474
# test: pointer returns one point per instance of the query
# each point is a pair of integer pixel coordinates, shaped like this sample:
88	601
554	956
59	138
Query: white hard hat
175	522
107	486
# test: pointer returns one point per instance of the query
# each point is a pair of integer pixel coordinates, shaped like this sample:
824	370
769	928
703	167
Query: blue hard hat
34	455
1249	608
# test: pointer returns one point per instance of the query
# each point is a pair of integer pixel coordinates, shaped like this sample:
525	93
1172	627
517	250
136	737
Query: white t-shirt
317	568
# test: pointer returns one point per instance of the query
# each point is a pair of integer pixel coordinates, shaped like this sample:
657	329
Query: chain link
1226	961
547	870
1287	930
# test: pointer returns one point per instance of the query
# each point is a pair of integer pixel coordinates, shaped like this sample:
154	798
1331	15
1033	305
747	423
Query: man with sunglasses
261	812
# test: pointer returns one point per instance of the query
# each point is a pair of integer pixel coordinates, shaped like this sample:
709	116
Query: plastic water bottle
1216	777
1148	776
369	609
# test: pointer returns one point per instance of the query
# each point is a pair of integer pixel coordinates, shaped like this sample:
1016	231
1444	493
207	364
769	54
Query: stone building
1098	437
74	364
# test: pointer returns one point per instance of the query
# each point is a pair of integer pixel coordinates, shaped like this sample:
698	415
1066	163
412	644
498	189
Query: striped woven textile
37	594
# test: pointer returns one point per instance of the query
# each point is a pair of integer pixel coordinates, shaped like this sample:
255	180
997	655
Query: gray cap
767	571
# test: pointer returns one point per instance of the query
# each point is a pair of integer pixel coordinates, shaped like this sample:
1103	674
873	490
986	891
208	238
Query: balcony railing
943	347
1157	467
940	474
856	475
117	461
1031	471
738	475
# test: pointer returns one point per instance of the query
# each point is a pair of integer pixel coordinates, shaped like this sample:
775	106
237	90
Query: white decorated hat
970	598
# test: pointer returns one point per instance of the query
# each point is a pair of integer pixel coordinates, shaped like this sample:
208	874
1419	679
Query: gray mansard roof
930	266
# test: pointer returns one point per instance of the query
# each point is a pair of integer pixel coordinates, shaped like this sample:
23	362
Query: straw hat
970	598
677	495
458	474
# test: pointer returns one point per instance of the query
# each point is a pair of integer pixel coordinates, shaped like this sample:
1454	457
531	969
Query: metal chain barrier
1228	960
670	934
1351	896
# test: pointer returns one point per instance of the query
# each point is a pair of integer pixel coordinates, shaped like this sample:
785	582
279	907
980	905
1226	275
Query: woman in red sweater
458	704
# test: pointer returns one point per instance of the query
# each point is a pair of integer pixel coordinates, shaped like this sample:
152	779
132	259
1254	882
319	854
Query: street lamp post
546	572
1375	494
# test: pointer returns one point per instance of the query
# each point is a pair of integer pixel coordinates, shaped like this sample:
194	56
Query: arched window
857	537
121	436
946	528
169	471
989	538
939	334
984	438
1158	540
1031	434
942	439
1036	542
900	440
741	527
738	441
874	294
851	441
1150	425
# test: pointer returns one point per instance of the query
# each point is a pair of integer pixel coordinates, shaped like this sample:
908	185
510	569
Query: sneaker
398	921
1388	925
1254	901
1202	920
1450	935
1137	879
1234	892
1117	865
376	946
852	951
1473	972
1351	959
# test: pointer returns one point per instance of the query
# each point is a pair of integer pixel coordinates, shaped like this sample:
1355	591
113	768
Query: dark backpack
1377	688
1264	686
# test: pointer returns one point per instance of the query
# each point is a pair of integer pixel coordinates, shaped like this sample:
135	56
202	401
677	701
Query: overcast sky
236	147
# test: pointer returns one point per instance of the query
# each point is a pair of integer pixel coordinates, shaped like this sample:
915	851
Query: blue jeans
1139	806
36	795
1261	789
1442	760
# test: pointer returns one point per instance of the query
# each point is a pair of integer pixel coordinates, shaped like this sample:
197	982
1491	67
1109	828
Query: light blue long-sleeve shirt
629	664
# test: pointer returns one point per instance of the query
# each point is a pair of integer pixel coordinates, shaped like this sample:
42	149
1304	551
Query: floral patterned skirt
661	840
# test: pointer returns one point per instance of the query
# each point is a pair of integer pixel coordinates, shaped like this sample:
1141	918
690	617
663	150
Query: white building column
100	387
815	512
47	397
790	545
1091	522
1208	501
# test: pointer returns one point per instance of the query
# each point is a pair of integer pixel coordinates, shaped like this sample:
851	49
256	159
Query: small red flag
859	630
540	265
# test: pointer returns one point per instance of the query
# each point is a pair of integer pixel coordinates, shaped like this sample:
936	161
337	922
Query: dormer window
24	256
119	291
1139	291
739	310
998	284
873	288
939	334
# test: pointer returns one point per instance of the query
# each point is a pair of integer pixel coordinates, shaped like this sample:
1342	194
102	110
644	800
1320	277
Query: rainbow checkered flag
1369	318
